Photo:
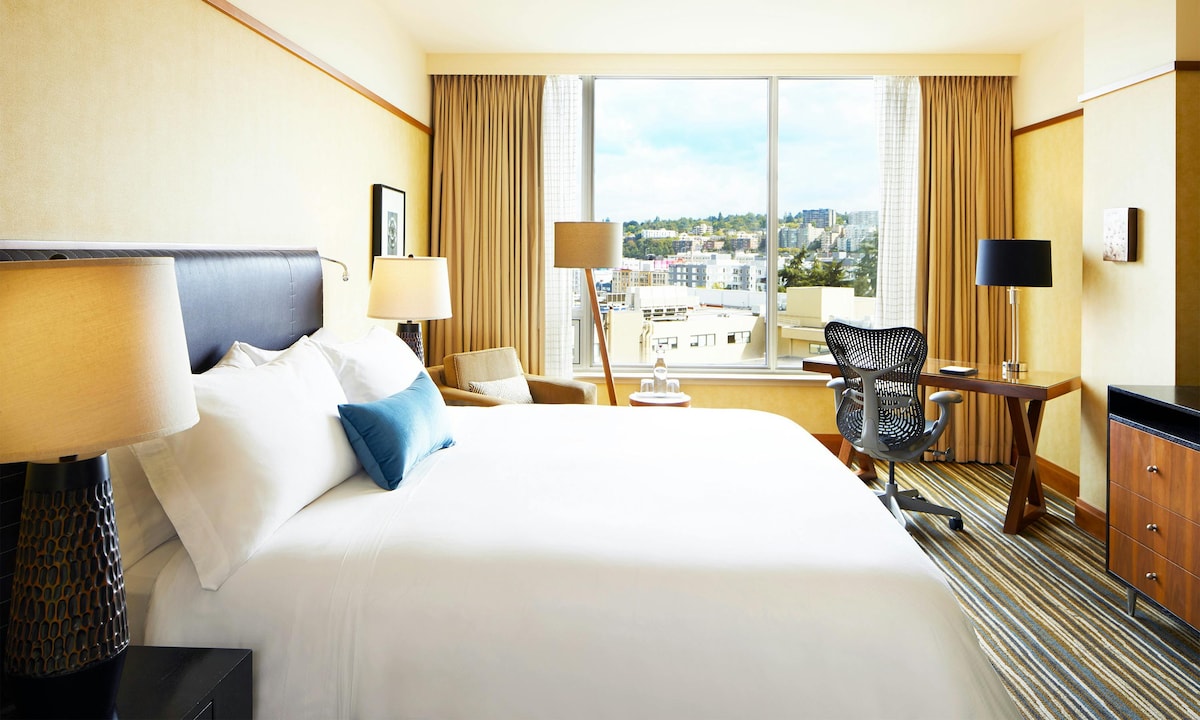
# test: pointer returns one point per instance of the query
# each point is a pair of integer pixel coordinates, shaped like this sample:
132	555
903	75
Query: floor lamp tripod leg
608	377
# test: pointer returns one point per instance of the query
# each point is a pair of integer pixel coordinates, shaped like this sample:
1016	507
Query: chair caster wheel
956	524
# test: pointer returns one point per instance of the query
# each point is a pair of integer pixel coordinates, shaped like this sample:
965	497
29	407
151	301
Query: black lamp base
410	332
88	693
68	628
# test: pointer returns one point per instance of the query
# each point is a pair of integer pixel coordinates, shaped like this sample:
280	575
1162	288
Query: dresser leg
1131	597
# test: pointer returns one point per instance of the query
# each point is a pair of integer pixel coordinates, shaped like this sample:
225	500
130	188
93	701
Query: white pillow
375	366
514	389
269	442
256	355
142	524
236	357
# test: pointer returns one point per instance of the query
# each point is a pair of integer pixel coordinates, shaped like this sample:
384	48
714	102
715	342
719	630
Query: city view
696	289
690	159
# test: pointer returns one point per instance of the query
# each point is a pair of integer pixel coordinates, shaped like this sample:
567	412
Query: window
718	240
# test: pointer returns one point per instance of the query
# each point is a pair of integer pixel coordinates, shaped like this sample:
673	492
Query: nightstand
186	684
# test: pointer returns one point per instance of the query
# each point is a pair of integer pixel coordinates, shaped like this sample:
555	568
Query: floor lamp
591	245
94	358
1014	264
409	289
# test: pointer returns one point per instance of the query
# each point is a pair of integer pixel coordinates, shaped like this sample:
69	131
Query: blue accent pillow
392	435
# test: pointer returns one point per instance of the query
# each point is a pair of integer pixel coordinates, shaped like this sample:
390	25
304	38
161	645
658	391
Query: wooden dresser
1154	496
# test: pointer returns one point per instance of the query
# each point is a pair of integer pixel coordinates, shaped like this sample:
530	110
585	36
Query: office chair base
897	501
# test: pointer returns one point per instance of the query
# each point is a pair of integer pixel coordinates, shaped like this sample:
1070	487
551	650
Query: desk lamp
591	245
94	357
1014	264
409	289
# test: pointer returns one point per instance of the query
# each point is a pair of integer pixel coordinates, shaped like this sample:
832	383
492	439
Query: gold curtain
965	194
486	214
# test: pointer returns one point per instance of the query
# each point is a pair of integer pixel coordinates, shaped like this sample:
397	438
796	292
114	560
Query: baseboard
1057	478
1091	520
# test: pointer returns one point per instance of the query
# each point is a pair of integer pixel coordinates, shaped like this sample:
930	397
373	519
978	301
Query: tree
866	276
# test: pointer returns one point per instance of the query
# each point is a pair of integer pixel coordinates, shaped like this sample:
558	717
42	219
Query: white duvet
578	562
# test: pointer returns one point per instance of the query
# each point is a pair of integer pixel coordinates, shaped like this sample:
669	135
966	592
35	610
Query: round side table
644	399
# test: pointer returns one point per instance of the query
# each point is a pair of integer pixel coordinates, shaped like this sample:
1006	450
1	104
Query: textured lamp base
89	693
68	627
410	333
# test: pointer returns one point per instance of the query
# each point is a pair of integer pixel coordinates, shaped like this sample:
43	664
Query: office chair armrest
838	385
944	397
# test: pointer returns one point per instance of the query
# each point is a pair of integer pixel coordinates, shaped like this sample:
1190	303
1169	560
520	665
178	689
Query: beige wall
1050	79
1187	213
1047	202
167	121
1123	39
360	39
1128	308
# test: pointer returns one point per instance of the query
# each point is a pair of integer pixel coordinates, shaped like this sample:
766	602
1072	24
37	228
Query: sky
695	148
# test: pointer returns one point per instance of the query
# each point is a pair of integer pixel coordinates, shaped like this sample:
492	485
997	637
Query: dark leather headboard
267	297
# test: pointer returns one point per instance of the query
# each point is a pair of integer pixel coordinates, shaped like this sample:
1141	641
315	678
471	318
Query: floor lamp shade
591	245
1014	264
409	289
94	358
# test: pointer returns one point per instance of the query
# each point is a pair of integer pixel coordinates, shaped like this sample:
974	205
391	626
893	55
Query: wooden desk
1025	397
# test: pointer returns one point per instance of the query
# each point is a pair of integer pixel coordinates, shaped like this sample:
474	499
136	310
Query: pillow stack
278	429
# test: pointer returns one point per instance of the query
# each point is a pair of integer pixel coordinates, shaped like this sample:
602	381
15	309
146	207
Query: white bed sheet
596	562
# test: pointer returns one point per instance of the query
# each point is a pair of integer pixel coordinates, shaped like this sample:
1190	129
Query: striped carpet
1050	620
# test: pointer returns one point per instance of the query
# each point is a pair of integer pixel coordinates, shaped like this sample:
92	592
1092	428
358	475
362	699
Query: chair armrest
454	396
944	397
551	391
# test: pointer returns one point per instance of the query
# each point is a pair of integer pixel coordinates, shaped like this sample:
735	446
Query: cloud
698	147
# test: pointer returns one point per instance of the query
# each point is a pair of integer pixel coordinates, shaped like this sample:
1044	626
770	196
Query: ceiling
731	26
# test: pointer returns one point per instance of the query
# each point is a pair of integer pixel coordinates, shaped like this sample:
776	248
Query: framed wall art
387	221
1120	234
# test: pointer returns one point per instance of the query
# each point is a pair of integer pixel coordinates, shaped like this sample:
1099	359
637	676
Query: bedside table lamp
410	289
94	357
1014	264
590	245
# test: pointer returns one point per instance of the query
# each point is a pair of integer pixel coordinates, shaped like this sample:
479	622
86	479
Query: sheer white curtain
898	109
562	113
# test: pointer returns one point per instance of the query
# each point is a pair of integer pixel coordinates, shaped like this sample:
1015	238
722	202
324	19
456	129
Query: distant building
821	217
658	234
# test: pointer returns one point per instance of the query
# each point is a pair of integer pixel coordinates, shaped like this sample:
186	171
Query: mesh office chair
879	410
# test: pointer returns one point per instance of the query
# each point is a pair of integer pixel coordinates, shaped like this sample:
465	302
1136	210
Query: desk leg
866	464
1026	503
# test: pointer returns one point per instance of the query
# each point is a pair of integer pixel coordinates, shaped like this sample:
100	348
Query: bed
539	562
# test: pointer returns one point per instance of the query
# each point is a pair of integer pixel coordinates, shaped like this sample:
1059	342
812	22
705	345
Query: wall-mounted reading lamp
345	270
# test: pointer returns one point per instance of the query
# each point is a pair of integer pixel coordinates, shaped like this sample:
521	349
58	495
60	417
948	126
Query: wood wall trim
1057	478
1176	66
1091	520
257	26
1047	123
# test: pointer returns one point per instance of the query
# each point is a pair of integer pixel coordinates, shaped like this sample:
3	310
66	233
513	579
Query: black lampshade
1016	263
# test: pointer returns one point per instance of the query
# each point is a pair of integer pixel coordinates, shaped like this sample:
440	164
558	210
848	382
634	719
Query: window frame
587	354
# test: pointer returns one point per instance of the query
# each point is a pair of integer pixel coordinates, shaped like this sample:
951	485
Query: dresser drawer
1157	469
1156	527
1139	566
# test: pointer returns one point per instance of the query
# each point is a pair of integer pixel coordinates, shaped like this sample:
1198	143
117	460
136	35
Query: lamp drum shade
409	288
94	356
1014	263
587	244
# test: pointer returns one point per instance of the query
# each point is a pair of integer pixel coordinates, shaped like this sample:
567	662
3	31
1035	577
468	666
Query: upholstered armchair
496	377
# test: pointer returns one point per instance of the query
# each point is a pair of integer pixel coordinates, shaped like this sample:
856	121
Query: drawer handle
1151	468
1152	527
1151	576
